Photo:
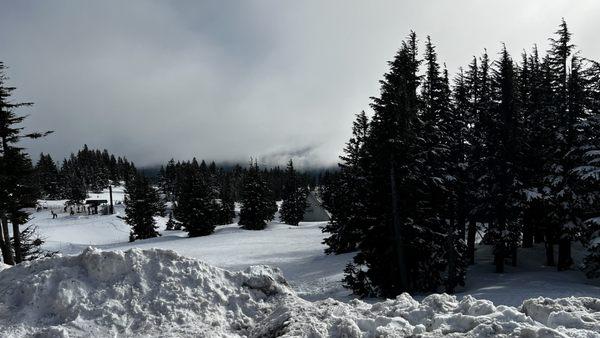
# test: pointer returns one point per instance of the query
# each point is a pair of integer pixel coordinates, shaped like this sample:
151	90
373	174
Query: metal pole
110	209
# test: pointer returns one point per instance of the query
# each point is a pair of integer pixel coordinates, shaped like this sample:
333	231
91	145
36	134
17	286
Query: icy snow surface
159	293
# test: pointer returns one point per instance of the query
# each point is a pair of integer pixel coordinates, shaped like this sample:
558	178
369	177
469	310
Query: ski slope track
159	293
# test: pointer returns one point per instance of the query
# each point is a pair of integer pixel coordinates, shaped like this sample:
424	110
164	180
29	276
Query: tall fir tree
387	263
294	196
196	207
347	198
258	203
501	179
18	190
226	199
564	220
142	203
47	177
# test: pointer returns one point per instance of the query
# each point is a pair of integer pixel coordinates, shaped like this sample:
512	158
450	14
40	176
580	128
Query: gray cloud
226	80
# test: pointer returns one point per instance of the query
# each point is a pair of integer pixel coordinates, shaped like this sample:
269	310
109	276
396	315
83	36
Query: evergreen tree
31	244
142	203
258	204
226	198
196	207
47	177
502	180
455	125
388	261
588	174
347	197
18	190
474	116
566	113
294	197
73	185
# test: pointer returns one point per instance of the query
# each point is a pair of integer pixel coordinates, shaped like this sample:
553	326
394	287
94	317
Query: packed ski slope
170	293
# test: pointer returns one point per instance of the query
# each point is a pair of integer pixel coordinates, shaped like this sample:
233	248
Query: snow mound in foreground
159	293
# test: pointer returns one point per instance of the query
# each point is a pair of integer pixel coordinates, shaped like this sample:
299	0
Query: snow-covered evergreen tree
142	203
196	207
258	204
294	197
18	190
47	176
347	196
502	179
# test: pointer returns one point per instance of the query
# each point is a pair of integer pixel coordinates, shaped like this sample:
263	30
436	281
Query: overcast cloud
225	80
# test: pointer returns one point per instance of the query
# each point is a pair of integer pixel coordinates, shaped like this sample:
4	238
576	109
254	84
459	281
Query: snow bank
159	293
136	292
565	313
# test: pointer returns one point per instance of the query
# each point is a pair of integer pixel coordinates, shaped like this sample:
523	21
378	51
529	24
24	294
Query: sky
230	80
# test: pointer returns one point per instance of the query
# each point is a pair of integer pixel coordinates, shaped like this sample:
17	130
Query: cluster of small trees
88	170
204	195
510	148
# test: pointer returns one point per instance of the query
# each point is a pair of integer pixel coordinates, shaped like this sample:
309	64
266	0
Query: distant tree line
204	195
229	177
87	170
506	149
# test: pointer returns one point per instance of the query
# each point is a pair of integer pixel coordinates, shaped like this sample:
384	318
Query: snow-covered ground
161	294
311	278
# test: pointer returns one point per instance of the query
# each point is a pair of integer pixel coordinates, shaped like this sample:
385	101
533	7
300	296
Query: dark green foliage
503	193
18	189
294	197
47	177
142	203
196	207
346	195
172	224
73	187
258	204
90	170
31	244
512	148
226	211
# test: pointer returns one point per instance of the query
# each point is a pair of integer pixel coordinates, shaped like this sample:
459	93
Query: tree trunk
564	254
450	283
111	209
549	251
6	248
514	255
499	257
538	236
403	271
471	234
2	245
528	229
17	239
500	246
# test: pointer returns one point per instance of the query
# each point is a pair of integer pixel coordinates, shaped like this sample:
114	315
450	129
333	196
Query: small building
93	204
315	212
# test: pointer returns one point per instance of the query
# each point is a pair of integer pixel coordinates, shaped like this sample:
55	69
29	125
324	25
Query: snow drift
159	293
